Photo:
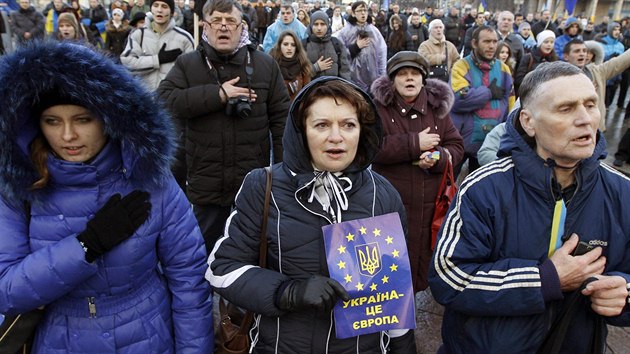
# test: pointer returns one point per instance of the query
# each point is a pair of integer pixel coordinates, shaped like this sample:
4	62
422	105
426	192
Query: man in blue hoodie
572	30
287	22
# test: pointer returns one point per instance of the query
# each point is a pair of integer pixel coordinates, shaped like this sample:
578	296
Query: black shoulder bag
440	72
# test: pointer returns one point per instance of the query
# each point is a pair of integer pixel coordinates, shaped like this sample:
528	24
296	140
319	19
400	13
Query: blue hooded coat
148	293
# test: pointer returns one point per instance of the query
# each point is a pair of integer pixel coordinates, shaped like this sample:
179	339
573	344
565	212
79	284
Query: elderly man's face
437	31
223	30
563	118
506	22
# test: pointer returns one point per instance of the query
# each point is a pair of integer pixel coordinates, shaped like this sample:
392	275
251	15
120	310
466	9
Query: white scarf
328	189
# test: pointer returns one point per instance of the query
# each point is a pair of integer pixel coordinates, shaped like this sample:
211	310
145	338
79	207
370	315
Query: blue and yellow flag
369	258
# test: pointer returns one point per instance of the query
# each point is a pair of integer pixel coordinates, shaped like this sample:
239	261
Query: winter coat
599	71
141	52
515	43
29	20
491	269
369	63
433	49
418	188
452	29
406	43
613	47
295	244
325	47
222	149
148	293
116	38
474	112
421	33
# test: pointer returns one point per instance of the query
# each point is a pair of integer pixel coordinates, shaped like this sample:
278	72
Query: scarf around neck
290	68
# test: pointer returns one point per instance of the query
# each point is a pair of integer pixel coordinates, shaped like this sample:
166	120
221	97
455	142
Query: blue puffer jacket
490	267
296	245
140	306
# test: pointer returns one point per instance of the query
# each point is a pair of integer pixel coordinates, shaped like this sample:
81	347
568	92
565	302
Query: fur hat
170	3
406	59
540	38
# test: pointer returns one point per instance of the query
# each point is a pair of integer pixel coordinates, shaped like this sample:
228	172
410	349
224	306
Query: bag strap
262	257
557	332
447	176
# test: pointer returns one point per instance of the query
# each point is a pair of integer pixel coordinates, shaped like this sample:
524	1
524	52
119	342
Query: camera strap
249	71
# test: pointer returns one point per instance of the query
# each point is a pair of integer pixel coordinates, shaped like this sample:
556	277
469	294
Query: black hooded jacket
295	242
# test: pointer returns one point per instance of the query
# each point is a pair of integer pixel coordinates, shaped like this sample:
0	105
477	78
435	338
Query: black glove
317	292
168	56
497	92
405	344
115	222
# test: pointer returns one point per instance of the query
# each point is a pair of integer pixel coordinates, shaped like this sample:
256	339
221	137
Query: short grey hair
543	73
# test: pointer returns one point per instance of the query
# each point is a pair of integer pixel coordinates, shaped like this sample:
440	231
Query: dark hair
341	91
306	68
475	34
397	38
567	47
221	6
544	72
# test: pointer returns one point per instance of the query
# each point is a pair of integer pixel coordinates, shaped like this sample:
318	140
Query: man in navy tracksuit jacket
500	268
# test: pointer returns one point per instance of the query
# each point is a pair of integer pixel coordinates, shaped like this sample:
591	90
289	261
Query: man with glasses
233	103
286	22
368	51
151	51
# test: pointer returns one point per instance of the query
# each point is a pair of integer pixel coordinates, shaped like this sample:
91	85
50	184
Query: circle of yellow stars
342	265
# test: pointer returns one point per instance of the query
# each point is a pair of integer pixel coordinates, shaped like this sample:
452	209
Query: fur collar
439	95
132	115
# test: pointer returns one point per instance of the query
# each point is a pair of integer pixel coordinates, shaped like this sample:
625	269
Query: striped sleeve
468	272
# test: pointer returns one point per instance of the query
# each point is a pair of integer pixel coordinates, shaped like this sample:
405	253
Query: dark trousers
473	164
623	88
623	149
211	219
610	93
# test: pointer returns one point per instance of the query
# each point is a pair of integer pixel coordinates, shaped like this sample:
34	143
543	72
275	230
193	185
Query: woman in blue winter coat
94	228
331	136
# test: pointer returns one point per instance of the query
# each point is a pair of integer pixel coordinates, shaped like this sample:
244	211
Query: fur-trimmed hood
598	51
133	118
439	95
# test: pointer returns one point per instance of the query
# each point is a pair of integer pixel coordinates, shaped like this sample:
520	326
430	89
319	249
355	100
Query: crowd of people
133	173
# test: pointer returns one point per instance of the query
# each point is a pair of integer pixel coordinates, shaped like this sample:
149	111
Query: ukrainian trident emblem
369	257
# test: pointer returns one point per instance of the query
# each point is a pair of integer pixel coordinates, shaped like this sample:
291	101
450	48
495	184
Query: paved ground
429	315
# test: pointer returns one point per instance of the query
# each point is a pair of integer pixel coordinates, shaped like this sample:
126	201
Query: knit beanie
319	15
170	3
540	38
524	25
120	12
435	22
611	27
68	17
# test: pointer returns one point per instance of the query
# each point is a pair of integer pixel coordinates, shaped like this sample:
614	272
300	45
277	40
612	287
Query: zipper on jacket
92	307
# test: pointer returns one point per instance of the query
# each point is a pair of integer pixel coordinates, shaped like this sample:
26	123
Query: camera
238	106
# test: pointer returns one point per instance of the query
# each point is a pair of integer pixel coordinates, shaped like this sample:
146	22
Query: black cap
407	59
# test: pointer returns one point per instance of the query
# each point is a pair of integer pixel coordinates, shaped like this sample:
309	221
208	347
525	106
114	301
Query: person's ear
527	122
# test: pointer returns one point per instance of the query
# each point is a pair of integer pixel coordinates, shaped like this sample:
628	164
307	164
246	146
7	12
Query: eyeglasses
217	23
